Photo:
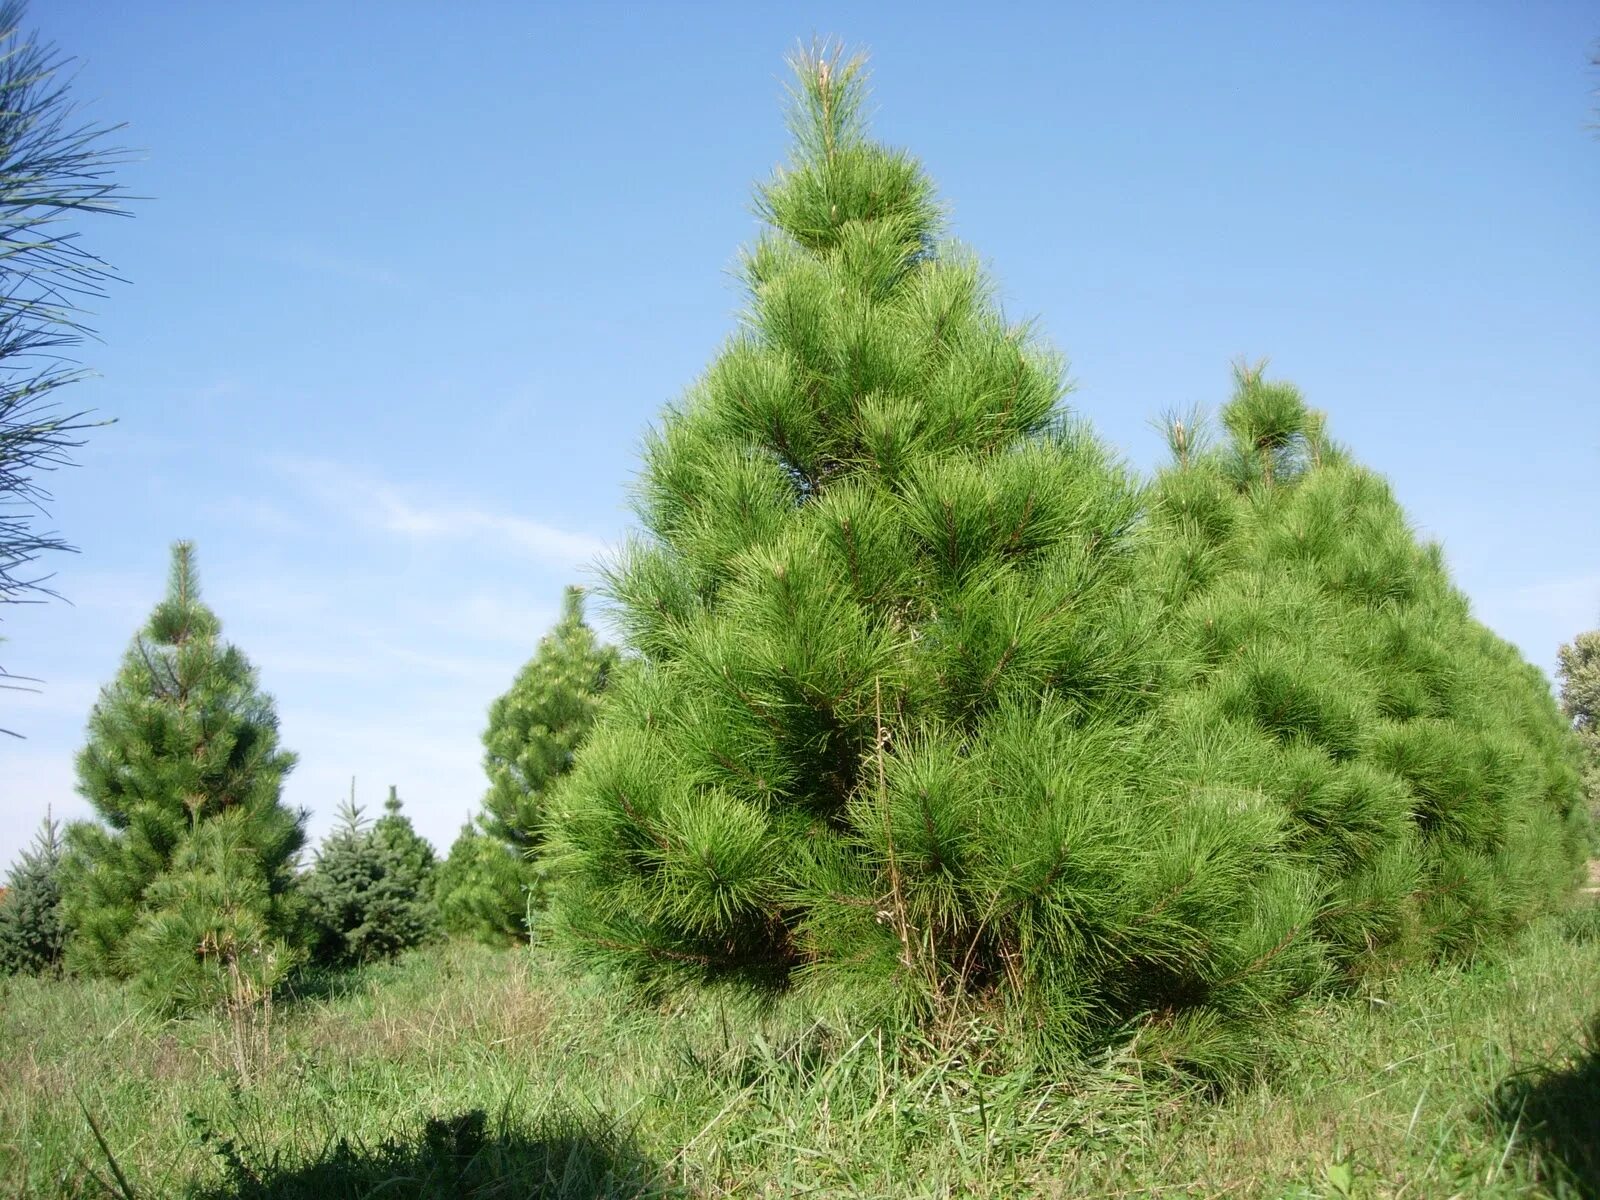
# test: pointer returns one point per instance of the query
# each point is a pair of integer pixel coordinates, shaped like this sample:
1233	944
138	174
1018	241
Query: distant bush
1579	672
370	893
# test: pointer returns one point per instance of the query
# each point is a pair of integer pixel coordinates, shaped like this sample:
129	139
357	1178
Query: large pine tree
887	647
1326	685
182	738
935	712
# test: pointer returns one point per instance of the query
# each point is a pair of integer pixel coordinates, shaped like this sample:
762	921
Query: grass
464	1071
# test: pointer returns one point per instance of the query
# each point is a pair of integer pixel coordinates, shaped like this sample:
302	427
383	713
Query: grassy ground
461	1071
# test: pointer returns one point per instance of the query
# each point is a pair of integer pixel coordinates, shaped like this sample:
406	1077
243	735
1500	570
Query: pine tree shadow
1556	1115
562	1158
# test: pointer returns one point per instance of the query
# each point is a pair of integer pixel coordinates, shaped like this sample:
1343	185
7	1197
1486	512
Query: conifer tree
536	727
887	648
1327	680
933	712
32	932
370	893
484	888
181	738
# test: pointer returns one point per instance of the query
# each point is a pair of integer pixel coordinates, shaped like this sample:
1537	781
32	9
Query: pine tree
937	711
887	646
370	893
180	739
536	727
32	932
1327	683
1579	670
484	888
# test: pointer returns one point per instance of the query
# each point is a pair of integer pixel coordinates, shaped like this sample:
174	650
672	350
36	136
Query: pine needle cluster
938	711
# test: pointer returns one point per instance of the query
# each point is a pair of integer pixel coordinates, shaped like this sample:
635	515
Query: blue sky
411	281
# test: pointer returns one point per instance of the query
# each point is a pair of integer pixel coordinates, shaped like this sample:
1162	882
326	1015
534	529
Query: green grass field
464	1071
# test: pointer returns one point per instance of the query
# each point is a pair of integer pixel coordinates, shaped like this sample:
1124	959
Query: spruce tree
32	932
536	727
370	893
181	738
484	888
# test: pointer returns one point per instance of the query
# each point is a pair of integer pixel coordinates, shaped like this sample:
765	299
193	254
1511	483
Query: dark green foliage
938	711
182	738
211	931
1580	701
371	892
537	726
485	888
32	931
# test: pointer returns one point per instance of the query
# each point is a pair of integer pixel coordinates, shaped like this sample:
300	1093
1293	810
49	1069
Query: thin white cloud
383	505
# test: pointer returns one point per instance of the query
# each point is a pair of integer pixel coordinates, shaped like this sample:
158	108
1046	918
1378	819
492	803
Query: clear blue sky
412	280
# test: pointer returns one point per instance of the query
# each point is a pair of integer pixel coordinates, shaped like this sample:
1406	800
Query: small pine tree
32	932
181	738
1579	671
536	727
370	893
484	888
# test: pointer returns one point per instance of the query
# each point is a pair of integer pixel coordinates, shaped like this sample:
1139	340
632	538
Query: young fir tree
1579	670
484	888
889	652
32	932
182	738
371	892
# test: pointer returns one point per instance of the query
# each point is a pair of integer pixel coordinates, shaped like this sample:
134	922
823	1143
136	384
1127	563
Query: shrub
486	889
